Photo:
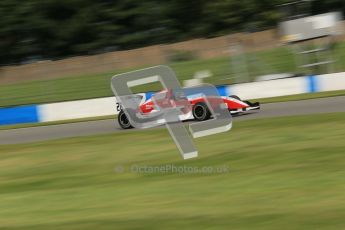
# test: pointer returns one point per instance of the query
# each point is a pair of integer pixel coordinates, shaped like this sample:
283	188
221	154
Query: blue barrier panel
222	90
18	115
228	90
312	84
148	95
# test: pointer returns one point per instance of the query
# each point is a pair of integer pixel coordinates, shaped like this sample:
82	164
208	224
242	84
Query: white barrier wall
109	106
253	90
331	82
77	109
273	88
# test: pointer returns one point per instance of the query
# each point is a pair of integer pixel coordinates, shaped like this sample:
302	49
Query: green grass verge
285	173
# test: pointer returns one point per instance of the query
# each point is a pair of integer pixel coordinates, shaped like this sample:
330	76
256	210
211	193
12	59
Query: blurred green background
278	60
34	30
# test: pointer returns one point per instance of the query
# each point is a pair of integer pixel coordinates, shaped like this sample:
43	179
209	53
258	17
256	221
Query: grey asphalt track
42	133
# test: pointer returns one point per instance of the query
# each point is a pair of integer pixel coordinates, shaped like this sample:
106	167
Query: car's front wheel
123	120
201	112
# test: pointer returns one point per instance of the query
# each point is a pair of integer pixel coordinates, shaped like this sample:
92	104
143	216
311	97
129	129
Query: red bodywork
168	100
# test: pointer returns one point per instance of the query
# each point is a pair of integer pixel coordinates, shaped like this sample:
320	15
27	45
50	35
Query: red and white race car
198	109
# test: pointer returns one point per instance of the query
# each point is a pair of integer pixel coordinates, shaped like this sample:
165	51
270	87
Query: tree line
33	30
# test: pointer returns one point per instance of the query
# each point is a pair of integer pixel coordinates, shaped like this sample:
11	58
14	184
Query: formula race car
198	108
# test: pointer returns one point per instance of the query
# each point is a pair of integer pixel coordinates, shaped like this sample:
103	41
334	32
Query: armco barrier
109	106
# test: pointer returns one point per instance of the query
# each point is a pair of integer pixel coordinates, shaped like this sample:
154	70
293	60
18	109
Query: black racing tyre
201	112
236	97
123	120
